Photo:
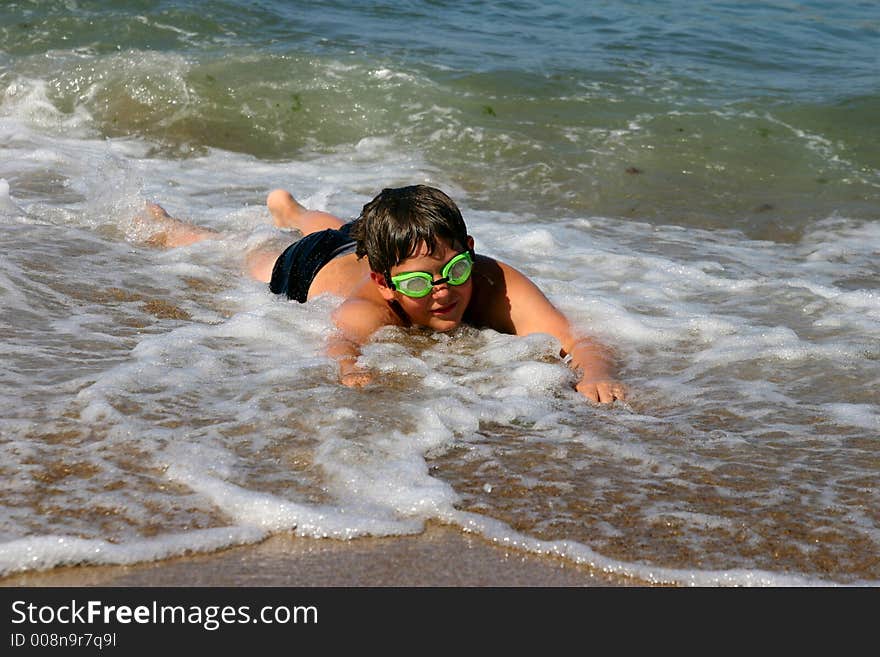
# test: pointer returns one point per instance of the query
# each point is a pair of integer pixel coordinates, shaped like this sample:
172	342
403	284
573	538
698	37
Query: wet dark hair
394	225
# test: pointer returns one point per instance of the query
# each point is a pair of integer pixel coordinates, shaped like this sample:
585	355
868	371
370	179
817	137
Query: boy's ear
386	292
470	243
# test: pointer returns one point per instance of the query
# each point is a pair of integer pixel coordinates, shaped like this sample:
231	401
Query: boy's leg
261	261
171	232
174	232
287	213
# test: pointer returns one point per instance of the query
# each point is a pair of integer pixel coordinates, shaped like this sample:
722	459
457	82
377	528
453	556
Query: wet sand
441	557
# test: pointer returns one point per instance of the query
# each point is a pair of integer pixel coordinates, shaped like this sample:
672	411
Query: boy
420	269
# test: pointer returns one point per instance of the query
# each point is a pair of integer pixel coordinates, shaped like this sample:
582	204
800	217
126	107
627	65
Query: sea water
696	184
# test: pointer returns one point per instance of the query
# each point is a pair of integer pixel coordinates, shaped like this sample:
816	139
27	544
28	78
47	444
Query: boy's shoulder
490	302
504	298
360	315
495	279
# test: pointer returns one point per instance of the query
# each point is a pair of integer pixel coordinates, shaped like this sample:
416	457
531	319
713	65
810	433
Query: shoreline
441	556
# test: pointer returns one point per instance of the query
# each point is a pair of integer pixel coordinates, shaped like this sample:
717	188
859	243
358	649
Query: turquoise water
695	183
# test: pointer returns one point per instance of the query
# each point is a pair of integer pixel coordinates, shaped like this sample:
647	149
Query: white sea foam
27	99
502	535
857	415
42	552
8	206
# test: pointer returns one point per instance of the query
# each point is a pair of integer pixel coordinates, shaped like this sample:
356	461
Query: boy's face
444	307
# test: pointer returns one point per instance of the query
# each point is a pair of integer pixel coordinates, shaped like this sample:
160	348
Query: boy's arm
356	320
531	312
598	381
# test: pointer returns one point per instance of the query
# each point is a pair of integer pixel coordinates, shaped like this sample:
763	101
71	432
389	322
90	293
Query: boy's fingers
589	390
356	379
603	392
616	391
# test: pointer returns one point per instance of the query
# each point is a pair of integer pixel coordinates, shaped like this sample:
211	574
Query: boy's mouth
444	310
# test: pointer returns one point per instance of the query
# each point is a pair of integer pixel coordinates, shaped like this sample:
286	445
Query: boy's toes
157	211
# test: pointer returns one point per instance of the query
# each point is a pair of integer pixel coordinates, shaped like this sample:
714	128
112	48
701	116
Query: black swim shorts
300	262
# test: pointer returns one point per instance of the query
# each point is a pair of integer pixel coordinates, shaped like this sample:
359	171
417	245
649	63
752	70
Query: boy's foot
288	213
157	212
284	209
170	232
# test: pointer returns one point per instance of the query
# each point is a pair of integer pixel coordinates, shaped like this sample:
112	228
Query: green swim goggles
418	284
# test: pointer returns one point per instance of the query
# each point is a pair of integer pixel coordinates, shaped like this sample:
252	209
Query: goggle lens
459	269
419	284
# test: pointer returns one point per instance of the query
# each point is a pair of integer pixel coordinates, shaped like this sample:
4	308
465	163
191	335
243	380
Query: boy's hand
604	391
356	378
